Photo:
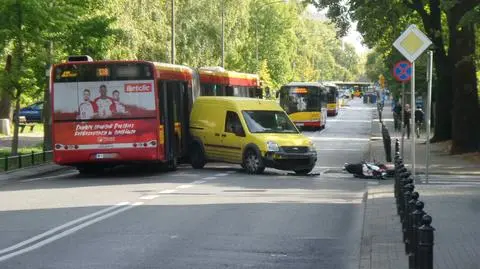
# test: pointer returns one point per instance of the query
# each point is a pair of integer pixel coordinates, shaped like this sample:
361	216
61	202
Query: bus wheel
89	170
197	157
253	162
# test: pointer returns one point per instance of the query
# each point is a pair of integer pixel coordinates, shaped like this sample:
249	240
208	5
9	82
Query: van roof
242	103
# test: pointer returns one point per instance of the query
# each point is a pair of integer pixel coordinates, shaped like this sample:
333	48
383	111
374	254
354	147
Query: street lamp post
172	57
223	33
256	25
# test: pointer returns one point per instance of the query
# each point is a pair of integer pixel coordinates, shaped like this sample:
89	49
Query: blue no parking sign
402	71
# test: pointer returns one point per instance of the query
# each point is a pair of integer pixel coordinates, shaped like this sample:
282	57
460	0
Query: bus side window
229	91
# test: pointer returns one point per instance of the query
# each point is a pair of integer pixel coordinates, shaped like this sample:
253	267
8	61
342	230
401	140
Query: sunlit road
217	217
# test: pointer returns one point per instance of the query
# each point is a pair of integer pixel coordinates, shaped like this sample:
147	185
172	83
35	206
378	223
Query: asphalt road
217	217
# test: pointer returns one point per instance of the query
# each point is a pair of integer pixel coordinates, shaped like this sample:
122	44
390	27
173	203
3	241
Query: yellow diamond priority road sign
412	42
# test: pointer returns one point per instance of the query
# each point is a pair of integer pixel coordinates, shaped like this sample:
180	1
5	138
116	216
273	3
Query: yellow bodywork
207	124
305	116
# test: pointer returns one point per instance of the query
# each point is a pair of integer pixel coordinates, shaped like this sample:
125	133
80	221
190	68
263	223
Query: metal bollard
409	221
425	244
402	175
397	146
401	202
387	143
398	171
407	196
416	222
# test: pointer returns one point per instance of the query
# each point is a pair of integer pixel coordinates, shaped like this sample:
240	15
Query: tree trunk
5	105
46	114
443	98
14	150
442	88
466	111
47	122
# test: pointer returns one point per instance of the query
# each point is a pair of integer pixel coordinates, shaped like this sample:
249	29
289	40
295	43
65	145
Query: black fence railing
418	234
8	163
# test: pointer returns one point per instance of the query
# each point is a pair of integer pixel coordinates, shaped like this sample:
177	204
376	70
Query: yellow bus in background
305	103
333	100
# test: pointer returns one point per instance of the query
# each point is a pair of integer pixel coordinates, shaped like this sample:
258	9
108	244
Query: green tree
25	28
449	25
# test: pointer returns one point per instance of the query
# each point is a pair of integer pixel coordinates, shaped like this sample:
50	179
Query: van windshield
259	121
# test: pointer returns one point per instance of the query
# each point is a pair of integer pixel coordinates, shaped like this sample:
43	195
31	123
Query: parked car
247	131
33	113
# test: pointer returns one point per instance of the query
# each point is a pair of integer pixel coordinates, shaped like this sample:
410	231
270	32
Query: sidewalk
454	206
441	162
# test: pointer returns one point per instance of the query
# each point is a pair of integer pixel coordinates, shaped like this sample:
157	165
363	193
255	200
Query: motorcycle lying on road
365	169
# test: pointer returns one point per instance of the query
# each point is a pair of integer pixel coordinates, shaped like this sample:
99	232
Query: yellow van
251	132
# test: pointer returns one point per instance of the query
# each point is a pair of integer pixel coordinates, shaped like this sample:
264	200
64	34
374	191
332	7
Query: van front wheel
253	163
304	171
197	157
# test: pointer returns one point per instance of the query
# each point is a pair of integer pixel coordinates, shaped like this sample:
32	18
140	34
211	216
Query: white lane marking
372	183
199	181
324	149
221	175
209	178
231	172
451	182
186	186
340	120
149	197
384	120
166	191
68	232
56	229
50	177
321	138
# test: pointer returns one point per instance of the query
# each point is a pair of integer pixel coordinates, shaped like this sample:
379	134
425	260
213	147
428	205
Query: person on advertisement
87	109
119	107
105	104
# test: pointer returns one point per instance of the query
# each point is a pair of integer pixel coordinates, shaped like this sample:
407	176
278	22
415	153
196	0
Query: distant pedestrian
419	119
407	114
397	116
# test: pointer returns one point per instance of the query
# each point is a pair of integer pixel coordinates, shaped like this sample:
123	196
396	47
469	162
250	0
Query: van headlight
272	146
312	147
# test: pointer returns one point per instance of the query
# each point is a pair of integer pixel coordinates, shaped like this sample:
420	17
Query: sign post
429	112
411	44
402	72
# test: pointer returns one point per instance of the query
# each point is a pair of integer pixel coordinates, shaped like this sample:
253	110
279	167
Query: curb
30	171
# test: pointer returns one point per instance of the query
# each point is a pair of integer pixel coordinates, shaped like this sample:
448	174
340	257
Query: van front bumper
290	161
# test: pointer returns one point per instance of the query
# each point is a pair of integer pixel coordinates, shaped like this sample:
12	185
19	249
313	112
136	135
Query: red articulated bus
107	113
216	81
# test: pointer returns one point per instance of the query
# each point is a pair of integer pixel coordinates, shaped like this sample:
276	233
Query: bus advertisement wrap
104	115
105	132
84	101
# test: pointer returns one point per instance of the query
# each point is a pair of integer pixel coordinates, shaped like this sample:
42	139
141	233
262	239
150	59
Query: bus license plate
100	156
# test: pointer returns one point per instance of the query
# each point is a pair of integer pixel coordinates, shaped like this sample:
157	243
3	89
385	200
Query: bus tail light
145	144
65	147
134	145
76	146
58	146
153	143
